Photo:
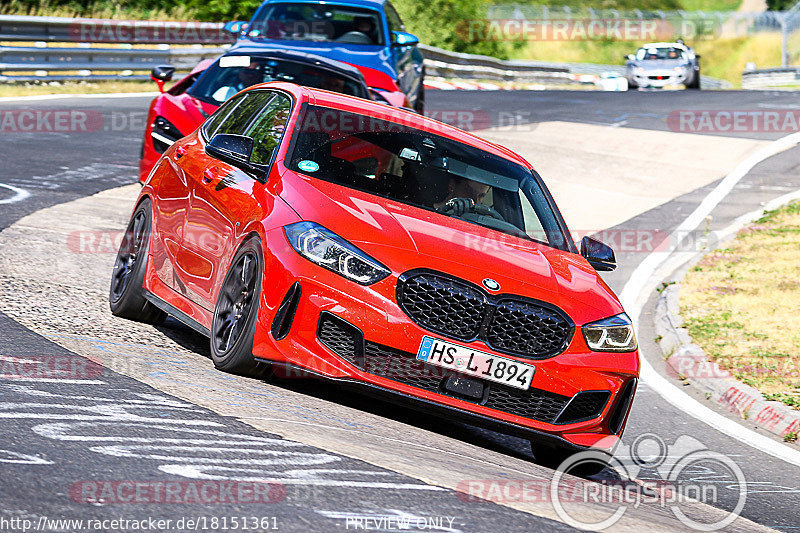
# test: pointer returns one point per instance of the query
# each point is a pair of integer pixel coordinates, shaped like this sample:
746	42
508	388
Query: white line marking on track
20	194
303	477
638	288
504	468
8	456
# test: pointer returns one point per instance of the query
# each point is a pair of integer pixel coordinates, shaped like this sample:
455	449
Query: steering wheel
460	206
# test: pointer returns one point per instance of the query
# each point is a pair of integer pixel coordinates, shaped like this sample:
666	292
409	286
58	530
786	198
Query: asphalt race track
341	455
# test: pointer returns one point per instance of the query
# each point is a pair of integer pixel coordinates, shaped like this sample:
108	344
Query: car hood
374	57
403	238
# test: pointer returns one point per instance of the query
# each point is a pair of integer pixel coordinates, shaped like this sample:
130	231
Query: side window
267	129
241	115
395	23
211	125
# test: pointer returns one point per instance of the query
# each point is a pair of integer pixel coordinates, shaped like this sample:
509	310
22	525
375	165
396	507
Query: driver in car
462	194
246	77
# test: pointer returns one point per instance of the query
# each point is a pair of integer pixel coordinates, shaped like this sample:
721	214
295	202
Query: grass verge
76	87
741	304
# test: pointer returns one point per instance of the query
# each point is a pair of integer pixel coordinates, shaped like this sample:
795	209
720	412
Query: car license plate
475	363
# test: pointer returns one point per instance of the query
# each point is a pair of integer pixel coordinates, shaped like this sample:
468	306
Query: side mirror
401	38
630	57
599	255
377	96
162	74
697	56
235	27
236	150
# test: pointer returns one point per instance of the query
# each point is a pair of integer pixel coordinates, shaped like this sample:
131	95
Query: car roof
374	4
393	114
296	56
664	45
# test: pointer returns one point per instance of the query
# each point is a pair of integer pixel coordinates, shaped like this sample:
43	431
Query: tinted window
425	170
233	73
318	22
241	115
267	129
213	122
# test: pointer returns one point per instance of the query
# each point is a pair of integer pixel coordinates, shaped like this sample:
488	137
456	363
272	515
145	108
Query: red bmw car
303	229
180	110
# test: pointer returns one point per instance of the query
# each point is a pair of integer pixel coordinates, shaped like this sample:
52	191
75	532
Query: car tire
632	85
695	82
235	314
586	463
419	104
126	294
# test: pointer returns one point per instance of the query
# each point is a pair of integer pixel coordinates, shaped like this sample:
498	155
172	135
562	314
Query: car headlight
164	134
323	247
638	71
613	334
678	70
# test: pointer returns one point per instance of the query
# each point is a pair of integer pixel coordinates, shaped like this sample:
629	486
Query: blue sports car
368	34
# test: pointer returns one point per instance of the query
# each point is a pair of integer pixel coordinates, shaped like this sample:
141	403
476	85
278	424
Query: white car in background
660	65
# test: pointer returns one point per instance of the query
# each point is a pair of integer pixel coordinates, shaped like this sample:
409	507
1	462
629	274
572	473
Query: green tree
780	5
452	24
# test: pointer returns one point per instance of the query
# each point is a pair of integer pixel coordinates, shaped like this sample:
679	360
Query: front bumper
298	298
661	79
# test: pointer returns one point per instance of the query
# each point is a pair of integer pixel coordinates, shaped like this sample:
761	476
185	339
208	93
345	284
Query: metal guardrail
49	63
770	77
18	58
77	30
444	63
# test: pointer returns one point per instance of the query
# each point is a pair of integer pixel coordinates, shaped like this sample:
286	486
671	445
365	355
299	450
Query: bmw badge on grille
491	284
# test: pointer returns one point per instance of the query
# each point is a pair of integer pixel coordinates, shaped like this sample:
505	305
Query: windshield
666	52
317	22
231	74
425	170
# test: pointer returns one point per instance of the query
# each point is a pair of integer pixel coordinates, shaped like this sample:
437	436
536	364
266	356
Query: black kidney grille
584	406
443	305
455	309
527	328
